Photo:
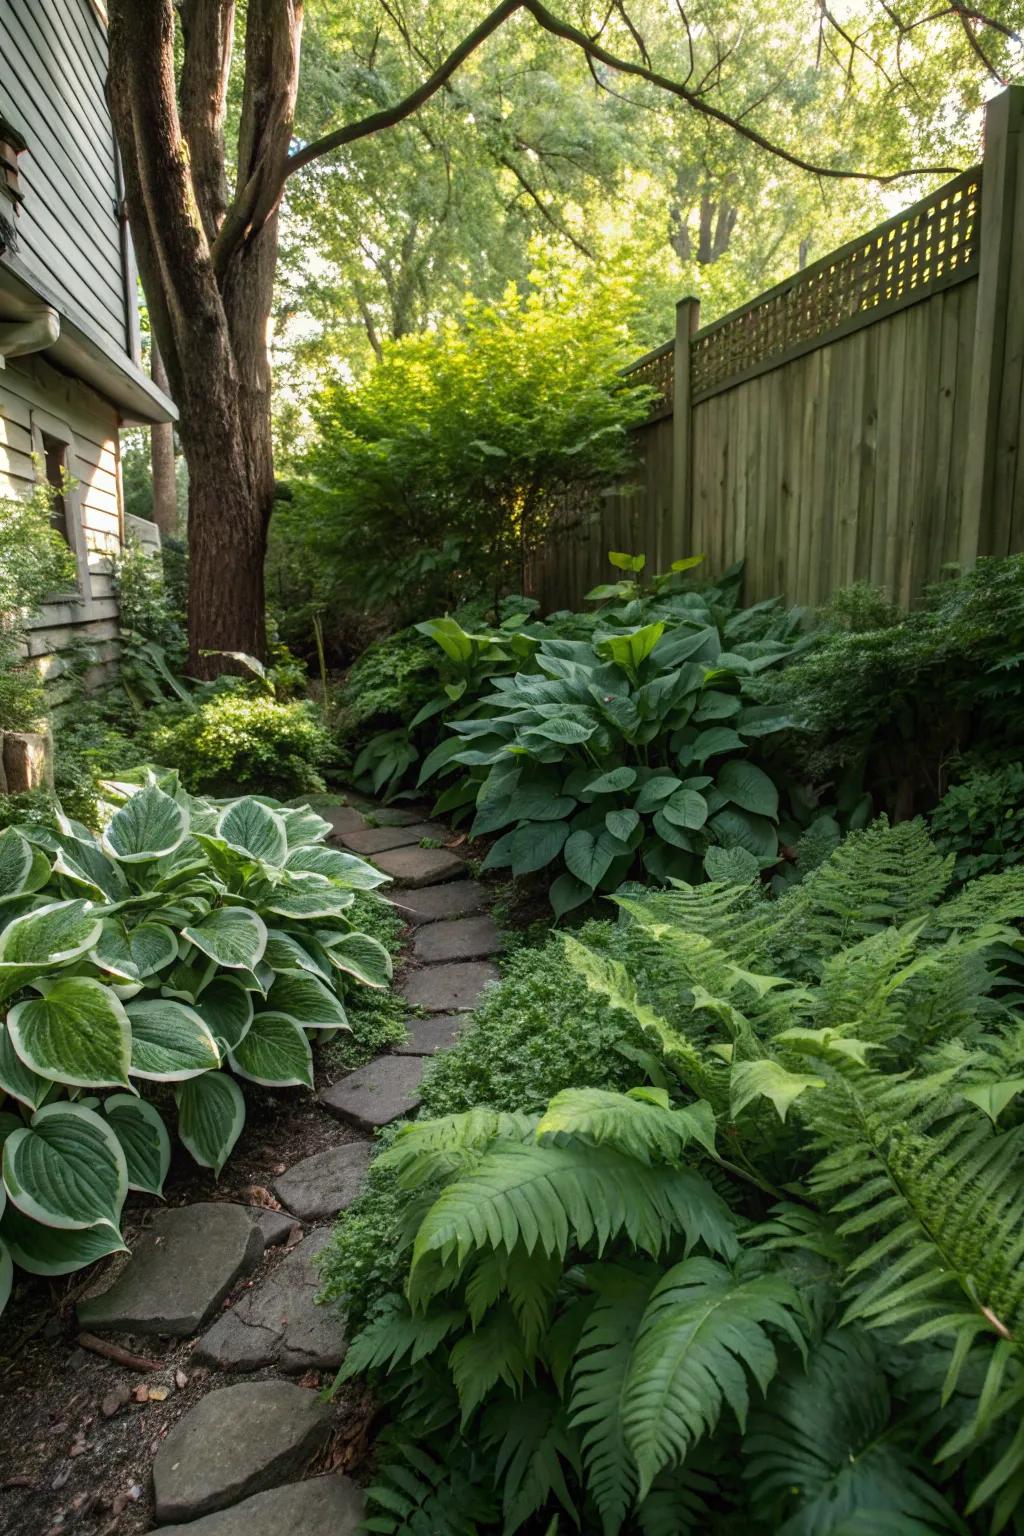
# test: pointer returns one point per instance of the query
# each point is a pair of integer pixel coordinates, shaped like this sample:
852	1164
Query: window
11	146
55	459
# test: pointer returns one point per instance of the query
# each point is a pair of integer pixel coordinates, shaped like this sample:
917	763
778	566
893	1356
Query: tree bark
161	458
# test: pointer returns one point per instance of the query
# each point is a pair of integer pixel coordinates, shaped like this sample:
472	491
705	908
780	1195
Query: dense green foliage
780	1293
376	1018
235	739
186	939
34	563
439	473
980	819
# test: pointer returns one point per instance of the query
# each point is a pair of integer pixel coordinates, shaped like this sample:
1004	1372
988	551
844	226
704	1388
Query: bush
234	739
189	938
34	562
981	820
781	1293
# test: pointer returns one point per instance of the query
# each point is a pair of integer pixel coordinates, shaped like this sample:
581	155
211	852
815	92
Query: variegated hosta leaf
284	952
44	940
82	861
275	1053
343	869
303	826
149	826
308	899
18	1080
211	1114
6	1270
145	1143
134	953
22	867
43	1250
225	1007
66	1169
254	829
188	978
306	1000
170	1042
76	1033
362	957
232	936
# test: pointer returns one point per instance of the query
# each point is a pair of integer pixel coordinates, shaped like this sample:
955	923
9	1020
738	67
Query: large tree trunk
161	459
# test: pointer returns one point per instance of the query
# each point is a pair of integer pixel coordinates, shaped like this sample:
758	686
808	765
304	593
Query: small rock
274	1225
180	1379
326	1183
114	1401
61	1477
449	988
158	1394
320	1506
375	1095
420	866
140	1395
237	1441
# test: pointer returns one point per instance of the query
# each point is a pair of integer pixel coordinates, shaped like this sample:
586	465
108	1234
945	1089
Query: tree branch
208	28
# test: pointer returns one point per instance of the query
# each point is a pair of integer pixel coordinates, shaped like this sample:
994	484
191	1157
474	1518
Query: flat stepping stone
382	839
236	1441
343	818
322	1185
461	938
384	1090
278	1322
275	1225
435	903
391	816
428	1036
321	1506
449	988
420	866
180	1271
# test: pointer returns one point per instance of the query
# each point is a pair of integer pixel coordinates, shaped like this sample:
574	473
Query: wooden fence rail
861	421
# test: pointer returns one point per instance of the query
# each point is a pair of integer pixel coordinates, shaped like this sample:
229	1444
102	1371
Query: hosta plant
192	945
779	1292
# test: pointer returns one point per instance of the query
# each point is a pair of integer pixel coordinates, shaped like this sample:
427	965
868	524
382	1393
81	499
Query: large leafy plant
628	750
189	948
780	1291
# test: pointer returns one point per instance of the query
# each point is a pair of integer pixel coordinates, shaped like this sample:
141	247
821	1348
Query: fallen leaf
294	1236
261	1196
311	1379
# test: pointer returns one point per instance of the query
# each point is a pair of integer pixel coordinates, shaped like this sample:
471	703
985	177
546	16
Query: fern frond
534	1448
421	1492
734	917
529	1280
631	1123
429	1151
395	1336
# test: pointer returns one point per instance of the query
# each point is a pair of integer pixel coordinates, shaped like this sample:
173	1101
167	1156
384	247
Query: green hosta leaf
211	1114
654	791
749	788
566	732
144	1141
343	869
307	1001
741	829
676	835
536	844
18	1080
275	1052
628	651
134	953
50	936
303	825
16	860
588	856
534	802
713	743
232	936
622	824
568	892
284	952
225	1007
170	1041
624	562
309	900
717	706
9	1122
149	826
66	1169
994	1097
609	783
76	1033
751	1080
735	865
255	829
686	808
43	1250
363	957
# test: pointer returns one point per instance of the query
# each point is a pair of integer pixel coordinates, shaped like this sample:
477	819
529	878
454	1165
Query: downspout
39	329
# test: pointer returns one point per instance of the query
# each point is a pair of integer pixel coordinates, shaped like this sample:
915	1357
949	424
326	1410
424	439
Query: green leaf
589	855
308	900
66	1169
16	859
566	893
342	869
362	957
255	829
145	1143
536	844
6	1274
305	999
622	824
274	1052
654	790
748	787
76	1033
713	743
211	1114
623	562
226	1008
686	808
609	783
735	865
43	1250
751	1080
134	953
18	1080
284	952
628	651
566	732
149	826
994	1097
49	937
535	802
232	936
741	829
688	563
170	1042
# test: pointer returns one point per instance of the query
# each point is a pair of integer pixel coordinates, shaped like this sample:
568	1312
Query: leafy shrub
187	939
783	1294
376	1019
234	739
34	562
981	820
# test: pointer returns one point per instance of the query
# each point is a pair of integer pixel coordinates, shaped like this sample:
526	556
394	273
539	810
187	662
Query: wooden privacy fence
859	422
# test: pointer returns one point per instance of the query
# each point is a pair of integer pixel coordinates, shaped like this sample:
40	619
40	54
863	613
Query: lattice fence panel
927	247
658	370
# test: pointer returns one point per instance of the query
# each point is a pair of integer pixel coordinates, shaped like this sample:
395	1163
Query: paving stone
275	1225
435	903
449	988
374	1095
381	839
343	818
278	1322
391	816
236	1441
461	938
180	1271
320	1506
326	1183
428	1036
420	866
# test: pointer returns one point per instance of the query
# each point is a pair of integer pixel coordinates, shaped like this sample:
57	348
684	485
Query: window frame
42	423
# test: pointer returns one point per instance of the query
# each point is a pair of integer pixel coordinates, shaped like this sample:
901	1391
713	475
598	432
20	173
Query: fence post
681	520
986	514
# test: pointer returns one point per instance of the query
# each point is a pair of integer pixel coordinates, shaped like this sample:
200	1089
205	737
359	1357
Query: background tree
205	222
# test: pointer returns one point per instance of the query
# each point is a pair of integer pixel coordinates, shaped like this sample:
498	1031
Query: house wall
35	397
53	59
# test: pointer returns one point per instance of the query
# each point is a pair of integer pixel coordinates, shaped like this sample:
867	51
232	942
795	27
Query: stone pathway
234	1464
